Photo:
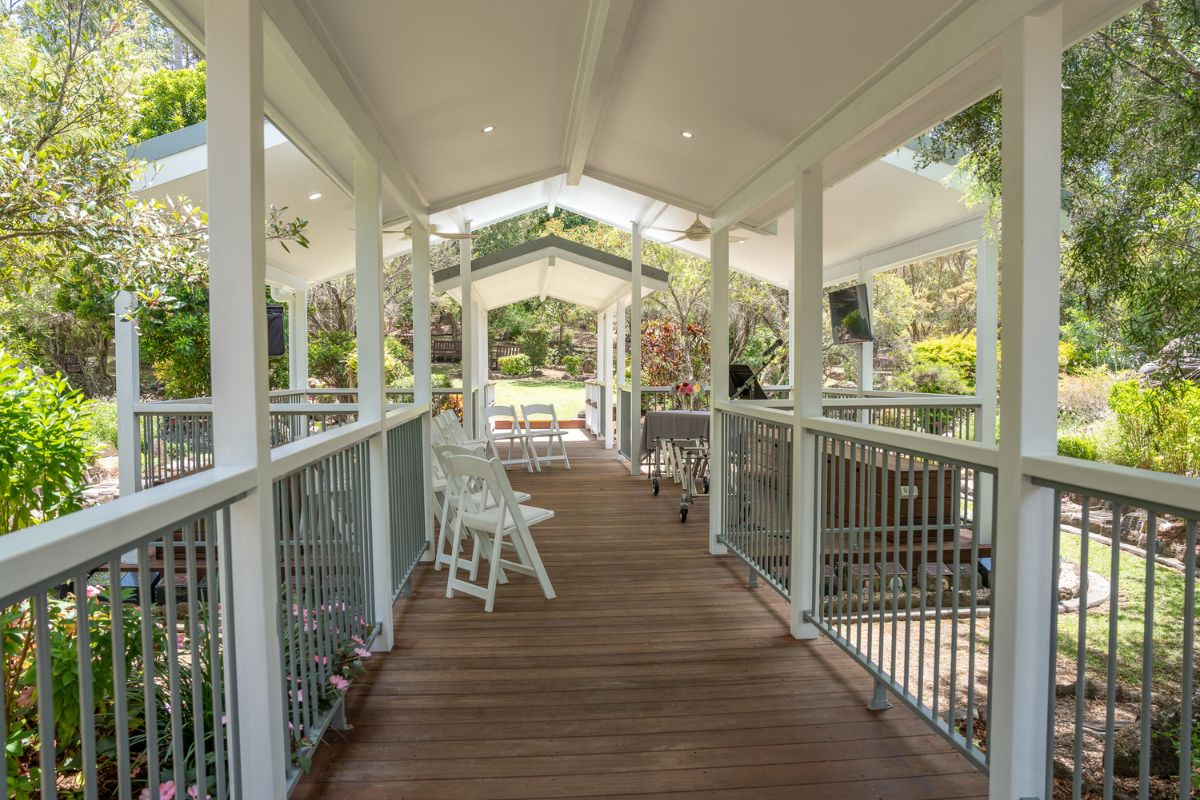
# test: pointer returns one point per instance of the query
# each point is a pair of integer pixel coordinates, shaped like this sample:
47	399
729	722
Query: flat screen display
850	315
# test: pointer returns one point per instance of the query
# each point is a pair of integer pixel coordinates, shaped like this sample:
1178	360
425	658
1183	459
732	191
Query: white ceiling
563	280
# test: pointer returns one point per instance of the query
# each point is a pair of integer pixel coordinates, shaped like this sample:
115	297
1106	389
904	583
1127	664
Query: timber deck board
655	673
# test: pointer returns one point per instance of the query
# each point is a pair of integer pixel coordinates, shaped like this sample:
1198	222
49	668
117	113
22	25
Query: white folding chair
455	490
514	435
552	434
493	511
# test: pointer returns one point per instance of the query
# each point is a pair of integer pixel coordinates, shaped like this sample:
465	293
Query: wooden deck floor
655	673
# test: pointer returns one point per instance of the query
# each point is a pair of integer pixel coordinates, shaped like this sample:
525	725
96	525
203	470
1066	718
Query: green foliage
327	355
45	446
932	378
1131	112
103	418
1079	446
1154	427
535	343
954	351
573	364
396	361
171	99
515	366
1083	398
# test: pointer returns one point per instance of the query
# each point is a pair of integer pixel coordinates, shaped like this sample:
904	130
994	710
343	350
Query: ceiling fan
406	232
696	232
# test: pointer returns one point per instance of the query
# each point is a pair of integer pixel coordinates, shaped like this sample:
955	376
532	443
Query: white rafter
599	60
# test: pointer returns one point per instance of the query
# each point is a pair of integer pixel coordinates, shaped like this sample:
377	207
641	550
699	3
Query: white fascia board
929	245
281	277
975	29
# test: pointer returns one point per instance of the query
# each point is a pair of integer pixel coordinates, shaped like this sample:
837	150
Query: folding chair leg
528	554
493	572
454	559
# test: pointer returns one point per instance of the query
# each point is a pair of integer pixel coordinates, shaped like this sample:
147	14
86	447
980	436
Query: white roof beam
618	293
929	245
599	61
961	40
308	57
651	215
545	281
553	187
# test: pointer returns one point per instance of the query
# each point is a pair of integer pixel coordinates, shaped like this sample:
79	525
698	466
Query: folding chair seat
552	434
498	524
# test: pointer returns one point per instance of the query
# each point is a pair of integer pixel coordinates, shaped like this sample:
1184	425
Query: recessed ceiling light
489	128
315	196
687	134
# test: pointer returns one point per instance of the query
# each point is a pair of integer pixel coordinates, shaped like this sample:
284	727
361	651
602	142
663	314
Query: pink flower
339	683
180	640
362	652
358	640
322	660
224	719
93	591
194	793
166	791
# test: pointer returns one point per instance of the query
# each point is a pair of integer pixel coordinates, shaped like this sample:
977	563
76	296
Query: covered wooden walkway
655	673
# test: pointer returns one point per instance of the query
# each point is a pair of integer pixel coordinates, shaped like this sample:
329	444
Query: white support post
483	353
238	330
635	353
129	391
808	292
718	349
467	309
611	381
1030	185
987	367
372	381
622	333
595	415
423	367
298	339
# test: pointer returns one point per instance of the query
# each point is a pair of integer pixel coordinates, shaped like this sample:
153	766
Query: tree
1130	145
171	99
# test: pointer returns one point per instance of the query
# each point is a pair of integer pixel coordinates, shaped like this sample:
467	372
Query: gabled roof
550	267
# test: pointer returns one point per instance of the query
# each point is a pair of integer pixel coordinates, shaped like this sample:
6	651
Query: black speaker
276	335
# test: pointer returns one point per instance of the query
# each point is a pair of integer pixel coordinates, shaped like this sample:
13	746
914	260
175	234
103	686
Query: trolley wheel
654	486
683	513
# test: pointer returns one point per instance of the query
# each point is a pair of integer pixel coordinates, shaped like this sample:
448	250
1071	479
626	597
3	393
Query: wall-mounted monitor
276	335
850	315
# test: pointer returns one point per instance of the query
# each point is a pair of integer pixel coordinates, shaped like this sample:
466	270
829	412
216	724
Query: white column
372	381
622	332
298	338
866	351
129	392
482	352
611	380
791	363
807	280
718	349
1030	185
987	366
423	366
238	330
595	415
635	352
468	332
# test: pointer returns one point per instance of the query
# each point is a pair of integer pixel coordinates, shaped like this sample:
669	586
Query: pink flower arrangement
685	388
166	791
362	652
93	591
339	683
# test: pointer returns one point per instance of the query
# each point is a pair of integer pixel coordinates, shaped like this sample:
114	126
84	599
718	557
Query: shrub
1079	446
573	364
396	360
327	354
957	352
1154	427
45	446
1083	398
535	343
932	378
515	366
103	415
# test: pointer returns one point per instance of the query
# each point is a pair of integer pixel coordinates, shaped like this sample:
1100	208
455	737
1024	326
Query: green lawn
565	396
1168	619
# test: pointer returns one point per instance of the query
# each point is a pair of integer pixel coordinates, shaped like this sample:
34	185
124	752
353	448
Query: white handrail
943	447
290	457
32	556
1158	490
908	401
756	411
400	413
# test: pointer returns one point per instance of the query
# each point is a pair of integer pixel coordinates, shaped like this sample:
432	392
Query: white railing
146	577
938	415
597	410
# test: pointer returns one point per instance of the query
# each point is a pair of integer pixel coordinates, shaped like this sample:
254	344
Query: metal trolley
686	462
